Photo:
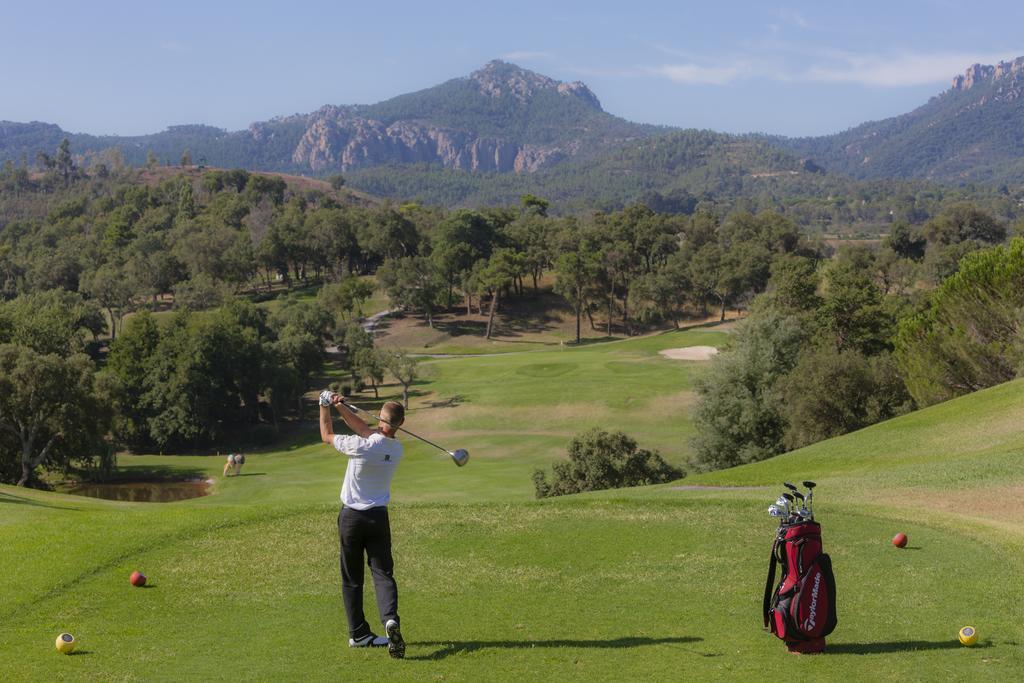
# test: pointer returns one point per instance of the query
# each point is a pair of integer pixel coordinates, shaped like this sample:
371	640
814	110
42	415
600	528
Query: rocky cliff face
344	139
1008	77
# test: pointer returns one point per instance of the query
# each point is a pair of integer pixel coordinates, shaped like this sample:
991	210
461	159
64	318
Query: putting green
655	583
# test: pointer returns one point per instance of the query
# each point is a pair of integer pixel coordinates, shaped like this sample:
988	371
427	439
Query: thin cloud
829	66
900	70
695	74
793	17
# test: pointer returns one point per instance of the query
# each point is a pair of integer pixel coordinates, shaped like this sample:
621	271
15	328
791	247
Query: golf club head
775	511
809	484
460	456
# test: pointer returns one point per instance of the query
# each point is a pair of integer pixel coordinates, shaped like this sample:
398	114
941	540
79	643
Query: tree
50	322
50	410
906	242
337	181
402	367
345	299
130	361
830	392
412	283
970	334
740	416
604	460
575	272
151	160
64	164
199	293
186	159
498	275
113	291
853	314
793	286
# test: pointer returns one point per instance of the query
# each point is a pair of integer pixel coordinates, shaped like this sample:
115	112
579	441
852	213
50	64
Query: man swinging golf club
363	526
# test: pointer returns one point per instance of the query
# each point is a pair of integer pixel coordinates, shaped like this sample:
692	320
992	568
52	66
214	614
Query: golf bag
801	610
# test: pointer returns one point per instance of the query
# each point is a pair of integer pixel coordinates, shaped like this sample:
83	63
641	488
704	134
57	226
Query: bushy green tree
51	322
971	333
412	283
604	460
51	412
831	392
741	415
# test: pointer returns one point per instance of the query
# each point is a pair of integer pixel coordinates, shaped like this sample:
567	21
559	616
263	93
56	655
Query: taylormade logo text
814	601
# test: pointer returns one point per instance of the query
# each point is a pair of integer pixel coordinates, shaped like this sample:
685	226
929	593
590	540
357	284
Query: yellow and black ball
66	643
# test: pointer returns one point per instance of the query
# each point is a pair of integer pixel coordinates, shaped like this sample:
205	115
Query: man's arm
354	422
326	425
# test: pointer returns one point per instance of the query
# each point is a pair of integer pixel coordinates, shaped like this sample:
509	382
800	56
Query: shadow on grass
154	474
18	500
251	474
447	649
894	646
450	402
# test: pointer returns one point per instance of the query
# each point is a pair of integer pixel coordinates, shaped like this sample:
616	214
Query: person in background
235	462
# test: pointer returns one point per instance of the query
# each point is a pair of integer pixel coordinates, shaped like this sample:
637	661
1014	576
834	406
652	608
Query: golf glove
325	397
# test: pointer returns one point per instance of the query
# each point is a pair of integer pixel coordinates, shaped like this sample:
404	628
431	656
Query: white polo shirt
371	465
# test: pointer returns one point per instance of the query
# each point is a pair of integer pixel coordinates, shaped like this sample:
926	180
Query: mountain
503	131
972	132
500	118
670	171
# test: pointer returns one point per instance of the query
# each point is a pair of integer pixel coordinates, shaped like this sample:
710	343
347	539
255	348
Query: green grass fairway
656	583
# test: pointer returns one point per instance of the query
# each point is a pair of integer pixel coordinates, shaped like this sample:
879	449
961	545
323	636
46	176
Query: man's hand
327	398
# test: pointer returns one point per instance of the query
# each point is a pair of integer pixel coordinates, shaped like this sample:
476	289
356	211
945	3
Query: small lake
144	491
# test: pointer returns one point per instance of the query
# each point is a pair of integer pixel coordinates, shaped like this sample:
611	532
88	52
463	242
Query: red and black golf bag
802	608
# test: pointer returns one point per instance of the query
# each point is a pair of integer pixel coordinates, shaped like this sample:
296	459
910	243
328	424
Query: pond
145	491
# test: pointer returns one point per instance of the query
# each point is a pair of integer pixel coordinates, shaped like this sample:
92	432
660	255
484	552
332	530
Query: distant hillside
972	132
502	131
685	165
500	118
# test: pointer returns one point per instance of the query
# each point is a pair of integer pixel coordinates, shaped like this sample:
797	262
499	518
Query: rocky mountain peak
978	74
498	78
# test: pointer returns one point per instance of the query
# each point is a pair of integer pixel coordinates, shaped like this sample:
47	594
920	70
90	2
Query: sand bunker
690	353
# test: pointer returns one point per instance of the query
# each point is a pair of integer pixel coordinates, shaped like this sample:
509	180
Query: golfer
363	526
235	462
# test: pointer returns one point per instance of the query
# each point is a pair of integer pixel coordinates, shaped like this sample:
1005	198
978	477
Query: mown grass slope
659	583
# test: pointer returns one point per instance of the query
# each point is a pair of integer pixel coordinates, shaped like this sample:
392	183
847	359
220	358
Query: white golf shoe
369	640
396	645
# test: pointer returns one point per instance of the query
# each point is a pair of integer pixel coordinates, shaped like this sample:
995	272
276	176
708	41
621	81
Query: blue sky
794	68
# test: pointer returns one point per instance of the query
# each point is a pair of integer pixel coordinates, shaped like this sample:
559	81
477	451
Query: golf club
809	485
790	505
460	456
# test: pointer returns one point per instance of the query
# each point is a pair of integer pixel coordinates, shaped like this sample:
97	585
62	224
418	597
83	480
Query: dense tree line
84	256
836	345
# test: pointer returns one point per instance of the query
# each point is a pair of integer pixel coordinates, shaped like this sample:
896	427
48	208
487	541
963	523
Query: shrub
604	460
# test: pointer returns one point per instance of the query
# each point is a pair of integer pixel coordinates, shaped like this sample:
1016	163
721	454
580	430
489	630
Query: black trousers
366	532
